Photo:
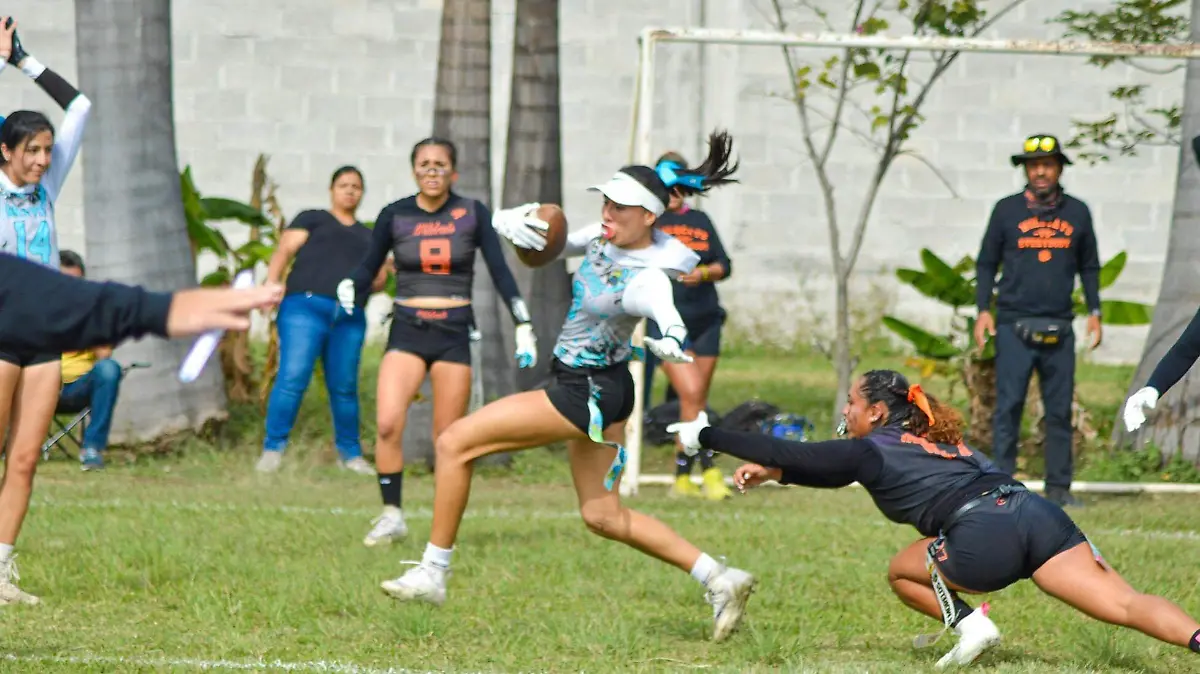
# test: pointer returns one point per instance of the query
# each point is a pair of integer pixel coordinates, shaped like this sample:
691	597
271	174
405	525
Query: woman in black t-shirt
326	245
698	304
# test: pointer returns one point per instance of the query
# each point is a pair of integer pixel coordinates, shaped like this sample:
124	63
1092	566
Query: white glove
521	226
526	346
667	348
689	433
345	295
1135	415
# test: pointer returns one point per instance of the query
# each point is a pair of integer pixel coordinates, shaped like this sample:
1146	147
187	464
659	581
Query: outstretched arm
832	463
67	313
381	244
1179	359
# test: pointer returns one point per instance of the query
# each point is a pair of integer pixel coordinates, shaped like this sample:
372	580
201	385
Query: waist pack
1042	332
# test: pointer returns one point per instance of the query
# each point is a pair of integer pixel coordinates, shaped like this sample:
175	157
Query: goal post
641	149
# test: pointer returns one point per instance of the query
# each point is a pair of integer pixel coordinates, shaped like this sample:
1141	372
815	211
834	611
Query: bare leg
33	407
518	421
707	365
14	482
451	394
910	580
1077	579
400	377
605	516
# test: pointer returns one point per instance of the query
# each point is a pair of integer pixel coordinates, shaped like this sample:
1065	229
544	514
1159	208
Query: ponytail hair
911	408
668	176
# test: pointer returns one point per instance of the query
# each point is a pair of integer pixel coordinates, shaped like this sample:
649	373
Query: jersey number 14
37	246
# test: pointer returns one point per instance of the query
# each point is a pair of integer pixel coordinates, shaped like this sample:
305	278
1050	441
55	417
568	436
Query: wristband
704	272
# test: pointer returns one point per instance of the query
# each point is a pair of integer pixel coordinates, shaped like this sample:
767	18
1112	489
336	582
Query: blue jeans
312	326
98	390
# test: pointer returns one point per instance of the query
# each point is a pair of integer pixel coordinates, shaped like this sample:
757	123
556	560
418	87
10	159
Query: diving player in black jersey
981	529
433	237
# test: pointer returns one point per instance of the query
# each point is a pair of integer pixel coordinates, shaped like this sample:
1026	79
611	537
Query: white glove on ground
345	295
1135	408
521	226
526	346
689	433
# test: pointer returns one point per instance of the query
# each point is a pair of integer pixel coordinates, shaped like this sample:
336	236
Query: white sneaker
358	465
387	527
426	582
976	633
728	593
269	462
9	592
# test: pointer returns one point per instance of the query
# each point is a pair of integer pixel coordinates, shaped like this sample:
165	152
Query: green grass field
192	562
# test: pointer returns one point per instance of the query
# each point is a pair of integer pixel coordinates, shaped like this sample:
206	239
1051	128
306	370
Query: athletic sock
6	551
683	464
961	610
705	568
706	459
435	556
390	487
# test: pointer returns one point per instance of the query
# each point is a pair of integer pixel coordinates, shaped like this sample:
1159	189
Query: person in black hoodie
1041	238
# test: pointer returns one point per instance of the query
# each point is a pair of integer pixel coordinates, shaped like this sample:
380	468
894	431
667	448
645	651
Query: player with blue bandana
624	277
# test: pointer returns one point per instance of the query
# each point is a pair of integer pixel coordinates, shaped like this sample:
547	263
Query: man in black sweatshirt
1041	239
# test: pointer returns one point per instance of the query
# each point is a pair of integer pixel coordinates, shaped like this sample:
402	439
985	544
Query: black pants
1015	363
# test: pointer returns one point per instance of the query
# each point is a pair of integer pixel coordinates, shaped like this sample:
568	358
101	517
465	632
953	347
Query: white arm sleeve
67	142
649	295
578	240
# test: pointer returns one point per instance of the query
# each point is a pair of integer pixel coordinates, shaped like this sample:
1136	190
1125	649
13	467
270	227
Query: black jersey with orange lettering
696	231
434	252
912	480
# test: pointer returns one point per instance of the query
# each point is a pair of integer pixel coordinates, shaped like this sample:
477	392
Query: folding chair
80	413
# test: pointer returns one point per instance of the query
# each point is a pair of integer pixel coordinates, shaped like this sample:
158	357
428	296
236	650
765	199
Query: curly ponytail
909	406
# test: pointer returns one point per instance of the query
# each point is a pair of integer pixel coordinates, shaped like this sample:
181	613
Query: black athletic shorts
29	358
570	389
704	334
1005	539
433	334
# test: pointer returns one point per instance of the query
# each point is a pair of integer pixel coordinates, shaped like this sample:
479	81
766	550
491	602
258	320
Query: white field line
505	514
320	666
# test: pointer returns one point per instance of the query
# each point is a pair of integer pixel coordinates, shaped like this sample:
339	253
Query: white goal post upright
643	124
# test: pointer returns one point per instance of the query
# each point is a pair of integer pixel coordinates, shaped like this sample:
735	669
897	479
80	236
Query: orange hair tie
917	396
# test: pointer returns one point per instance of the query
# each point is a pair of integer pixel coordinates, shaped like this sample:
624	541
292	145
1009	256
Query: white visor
623	189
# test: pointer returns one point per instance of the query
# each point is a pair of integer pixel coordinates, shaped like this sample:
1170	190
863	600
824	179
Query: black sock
390	487
683	464
961	610
1194	644
706	459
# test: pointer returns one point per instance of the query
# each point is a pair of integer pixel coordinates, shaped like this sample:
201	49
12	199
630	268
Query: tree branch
843	91
934	169
806	132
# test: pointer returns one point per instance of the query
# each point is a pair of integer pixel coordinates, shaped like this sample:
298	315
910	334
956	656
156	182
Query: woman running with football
623	278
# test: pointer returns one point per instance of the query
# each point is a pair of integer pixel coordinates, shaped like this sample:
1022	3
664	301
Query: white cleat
728	593
976	633
387	527
426	583
269	462
9	592
357	465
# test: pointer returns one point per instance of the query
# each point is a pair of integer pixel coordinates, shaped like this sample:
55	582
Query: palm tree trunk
533	171
1173	428
462	112
136	231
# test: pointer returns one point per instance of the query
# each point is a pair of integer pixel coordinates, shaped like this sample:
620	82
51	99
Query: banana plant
202	212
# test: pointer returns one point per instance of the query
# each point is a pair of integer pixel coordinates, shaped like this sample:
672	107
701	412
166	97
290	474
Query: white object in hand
526	343
521	226
206	344
689	433
1135	408
345	295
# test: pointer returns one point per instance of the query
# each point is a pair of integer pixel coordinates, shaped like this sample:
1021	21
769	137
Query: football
556	238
